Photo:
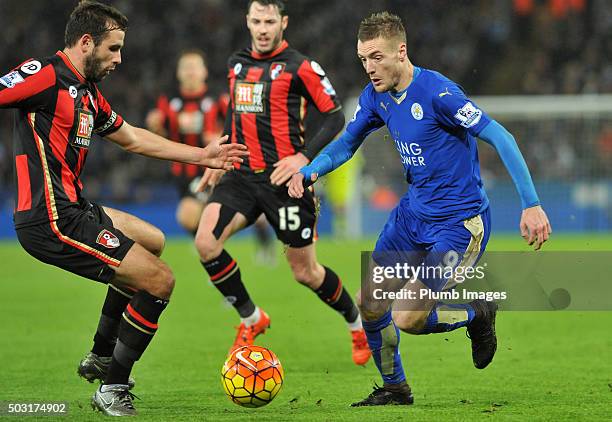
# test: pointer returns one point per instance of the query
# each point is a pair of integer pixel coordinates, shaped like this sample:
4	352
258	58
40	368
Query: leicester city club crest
417	111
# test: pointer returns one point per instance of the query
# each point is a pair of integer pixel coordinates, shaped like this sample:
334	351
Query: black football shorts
292	219
186	188
86	244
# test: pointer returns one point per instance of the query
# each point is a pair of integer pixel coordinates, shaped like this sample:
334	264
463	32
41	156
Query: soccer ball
252	376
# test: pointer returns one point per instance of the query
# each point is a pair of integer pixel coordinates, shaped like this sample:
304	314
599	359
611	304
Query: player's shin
225	275
448	317
136	330
383	339
108	326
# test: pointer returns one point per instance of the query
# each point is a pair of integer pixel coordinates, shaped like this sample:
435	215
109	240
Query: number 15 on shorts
289	218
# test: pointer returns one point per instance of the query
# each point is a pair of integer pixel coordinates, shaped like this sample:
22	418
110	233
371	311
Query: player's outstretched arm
333	156
217	154
534	225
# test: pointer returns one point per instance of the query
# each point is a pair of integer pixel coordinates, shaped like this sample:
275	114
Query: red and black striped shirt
269	95
57	113
189	119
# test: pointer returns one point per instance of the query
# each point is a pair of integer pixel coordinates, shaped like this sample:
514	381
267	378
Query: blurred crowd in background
491	47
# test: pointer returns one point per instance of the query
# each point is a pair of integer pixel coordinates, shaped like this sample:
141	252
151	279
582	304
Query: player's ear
285	22
403	54
86	43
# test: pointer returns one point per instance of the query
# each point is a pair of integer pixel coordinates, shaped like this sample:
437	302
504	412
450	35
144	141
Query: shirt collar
71	66
276	52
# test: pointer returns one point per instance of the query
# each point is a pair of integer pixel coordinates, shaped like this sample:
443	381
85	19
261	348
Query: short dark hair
280	5
193	52
381	24
96	19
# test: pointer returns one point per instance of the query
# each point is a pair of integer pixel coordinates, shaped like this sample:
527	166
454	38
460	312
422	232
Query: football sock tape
383	339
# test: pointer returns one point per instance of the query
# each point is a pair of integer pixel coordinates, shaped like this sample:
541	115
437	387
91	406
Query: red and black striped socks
225	275
335	295
136	330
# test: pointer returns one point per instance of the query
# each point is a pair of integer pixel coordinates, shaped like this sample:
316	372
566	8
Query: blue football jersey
433	125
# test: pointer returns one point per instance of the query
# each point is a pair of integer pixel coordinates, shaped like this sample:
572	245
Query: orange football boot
246	334
361	350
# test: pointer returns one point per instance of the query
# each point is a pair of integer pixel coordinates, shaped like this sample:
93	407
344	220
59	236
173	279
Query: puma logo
442	94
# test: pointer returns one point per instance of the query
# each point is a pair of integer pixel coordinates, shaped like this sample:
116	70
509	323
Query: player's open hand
210	178
296	184
220	155
287	167
535	227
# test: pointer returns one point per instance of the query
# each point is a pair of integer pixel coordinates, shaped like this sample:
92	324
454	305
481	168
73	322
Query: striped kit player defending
59	109
270	86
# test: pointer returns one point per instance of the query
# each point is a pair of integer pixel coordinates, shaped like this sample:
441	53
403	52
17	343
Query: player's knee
162	284
208	246
186	221
371	310
411	322
158	242
370	314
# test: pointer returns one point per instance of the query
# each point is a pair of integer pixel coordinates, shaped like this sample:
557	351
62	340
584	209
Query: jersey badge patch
237	69
317	68
468	115
249	97
11	79
327	87
107	239
276	69
417	111
31	67
85	121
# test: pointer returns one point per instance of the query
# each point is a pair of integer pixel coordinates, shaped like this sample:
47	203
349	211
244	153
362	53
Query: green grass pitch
549	365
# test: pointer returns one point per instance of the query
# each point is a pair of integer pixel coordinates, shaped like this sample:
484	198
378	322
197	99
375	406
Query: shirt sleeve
365	120
107	120
455	110
27	85
317	87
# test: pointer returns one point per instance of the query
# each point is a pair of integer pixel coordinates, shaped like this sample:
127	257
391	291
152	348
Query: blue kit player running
445	211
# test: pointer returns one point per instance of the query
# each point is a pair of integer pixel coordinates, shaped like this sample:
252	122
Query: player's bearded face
104	57
266	26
